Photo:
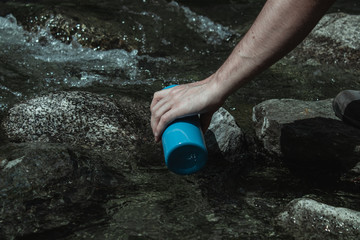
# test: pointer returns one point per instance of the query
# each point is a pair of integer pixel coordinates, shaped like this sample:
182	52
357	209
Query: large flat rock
271	115
79	118
307	135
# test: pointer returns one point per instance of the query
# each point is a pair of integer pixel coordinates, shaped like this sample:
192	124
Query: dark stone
270	116
309	138
320	146
46	190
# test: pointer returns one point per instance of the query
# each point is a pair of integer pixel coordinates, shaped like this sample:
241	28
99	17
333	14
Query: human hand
184	100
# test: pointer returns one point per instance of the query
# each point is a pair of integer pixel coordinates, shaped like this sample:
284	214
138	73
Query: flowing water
167	43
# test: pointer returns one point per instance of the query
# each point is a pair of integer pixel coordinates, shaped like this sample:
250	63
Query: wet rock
49	189
66	24
270	116
308	136
335	40
309	219
53	190
90	120
66	29
343	28
320	143
79	118
224	137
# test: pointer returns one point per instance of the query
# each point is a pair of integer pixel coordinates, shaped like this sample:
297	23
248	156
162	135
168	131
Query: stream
136	47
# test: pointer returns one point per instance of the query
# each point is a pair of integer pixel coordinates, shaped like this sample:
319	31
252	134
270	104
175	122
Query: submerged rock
48	189
65	189
309	219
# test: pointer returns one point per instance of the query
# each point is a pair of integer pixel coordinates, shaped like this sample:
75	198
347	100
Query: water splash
68	61
213	33
35	63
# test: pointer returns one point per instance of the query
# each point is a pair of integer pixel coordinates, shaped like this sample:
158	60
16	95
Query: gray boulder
335	40
224	137
307	135
340	27
308	219
93	121
78	118
270	116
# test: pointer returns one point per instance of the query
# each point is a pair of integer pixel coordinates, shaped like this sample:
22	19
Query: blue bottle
184	145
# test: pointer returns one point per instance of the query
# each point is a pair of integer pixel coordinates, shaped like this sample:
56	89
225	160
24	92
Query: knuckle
156	94
163	120
157	115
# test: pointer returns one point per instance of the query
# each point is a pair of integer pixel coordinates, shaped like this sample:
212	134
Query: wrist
217	87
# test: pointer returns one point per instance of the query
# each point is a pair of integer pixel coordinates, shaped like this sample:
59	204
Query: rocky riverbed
61	157
77	157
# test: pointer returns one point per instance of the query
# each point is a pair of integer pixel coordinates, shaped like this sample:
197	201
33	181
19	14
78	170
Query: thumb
205	120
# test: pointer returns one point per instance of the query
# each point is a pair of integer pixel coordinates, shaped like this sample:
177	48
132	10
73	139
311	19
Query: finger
156	98
157	109
165	119
163	105
160	109
163	93
173	113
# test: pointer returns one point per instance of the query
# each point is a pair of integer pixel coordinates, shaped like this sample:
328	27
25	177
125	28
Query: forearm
280	27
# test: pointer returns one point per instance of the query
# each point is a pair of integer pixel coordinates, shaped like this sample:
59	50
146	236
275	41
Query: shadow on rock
320	148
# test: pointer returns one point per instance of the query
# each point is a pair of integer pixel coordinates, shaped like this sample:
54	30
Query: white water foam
89	65
213	33
47	59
